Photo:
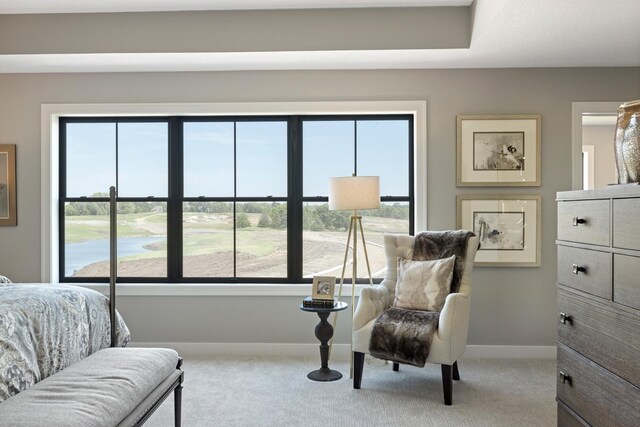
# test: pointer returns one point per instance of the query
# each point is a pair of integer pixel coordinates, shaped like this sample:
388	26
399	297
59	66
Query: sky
328	151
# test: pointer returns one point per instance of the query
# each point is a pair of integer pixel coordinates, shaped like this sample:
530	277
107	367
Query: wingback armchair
450	339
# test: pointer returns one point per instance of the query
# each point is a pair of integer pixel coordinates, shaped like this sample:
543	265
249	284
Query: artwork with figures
4	185
502	231
498	151
324	288
508	226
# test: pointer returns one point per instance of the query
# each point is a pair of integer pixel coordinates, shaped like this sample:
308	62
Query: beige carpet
255	391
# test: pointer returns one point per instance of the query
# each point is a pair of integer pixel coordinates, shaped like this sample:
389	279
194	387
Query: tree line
316	217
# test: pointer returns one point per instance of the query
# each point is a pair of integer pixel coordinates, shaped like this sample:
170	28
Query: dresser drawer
626	280
586	270
584	221
567	418
595	394
626	227
602	332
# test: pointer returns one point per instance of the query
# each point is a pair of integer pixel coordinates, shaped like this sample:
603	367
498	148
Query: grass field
208	246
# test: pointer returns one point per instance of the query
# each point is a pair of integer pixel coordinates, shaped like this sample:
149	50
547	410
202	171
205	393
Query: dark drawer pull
566	318
564	378
578	269
577	221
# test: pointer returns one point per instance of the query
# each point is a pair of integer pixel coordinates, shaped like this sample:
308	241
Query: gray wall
279	30
510	306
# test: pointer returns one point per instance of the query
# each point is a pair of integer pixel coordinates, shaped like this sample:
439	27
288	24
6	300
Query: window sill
213	289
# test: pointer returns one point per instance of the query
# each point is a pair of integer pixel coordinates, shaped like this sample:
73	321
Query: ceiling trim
107	6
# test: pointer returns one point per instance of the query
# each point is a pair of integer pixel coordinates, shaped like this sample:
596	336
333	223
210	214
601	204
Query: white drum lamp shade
354	193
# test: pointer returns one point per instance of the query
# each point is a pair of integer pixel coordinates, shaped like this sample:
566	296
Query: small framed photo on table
323	287
508	227
494	151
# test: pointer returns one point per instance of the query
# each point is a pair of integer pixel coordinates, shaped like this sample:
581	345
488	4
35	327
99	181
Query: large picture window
226	199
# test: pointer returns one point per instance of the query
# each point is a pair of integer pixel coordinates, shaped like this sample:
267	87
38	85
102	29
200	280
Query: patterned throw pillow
423	285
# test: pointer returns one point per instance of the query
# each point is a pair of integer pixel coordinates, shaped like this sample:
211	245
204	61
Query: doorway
593	136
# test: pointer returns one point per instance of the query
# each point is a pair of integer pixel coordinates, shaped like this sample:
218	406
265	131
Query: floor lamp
354	193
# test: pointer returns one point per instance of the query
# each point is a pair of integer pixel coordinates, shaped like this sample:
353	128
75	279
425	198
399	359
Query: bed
45	327
56	369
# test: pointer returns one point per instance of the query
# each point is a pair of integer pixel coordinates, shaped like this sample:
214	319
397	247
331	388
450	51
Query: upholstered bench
112	387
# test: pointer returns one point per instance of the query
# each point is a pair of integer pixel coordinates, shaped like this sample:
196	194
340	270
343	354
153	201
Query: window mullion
411	180
355	148
174	205
117	161
63	196
294	204
235	195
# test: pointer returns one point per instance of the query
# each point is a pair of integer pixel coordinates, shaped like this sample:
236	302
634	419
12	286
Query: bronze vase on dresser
627	142
598	280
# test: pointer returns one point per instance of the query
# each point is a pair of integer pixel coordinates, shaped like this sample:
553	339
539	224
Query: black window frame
175	197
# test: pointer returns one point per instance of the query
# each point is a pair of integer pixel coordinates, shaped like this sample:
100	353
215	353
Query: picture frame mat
468	124
530	205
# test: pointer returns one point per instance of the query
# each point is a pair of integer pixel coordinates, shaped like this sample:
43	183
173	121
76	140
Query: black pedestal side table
324	332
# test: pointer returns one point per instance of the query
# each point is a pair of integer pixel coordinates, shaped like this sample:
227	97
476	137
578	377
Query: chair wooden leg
396	366
447	383
358	364
456	373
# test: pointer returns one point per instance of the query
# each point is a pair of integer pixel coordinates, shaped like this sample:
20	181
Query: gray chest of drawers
599	307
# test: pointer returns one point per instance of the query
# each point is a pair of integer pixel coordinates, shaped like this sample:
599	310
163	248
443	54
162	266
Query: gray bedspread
45	328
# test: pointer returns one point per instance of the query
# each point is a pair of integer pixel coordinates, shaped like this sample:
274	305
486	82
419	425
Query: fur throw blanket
405	336
443	244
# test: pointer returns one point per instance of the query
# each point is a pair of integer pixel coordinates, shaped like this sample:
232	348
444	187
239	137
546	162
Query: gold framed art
8	196
498	150
508	226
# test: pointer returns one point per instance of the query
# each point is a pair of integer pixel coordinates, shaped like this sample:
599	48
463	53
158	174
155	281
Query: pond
78	255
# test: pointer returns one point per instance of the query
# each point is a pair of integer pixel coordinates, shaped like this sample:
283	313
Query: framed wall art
508	226
8	208
498	150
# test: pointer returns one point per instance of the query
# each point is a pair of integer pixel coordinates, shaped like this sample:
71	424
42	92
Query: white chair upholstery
450	340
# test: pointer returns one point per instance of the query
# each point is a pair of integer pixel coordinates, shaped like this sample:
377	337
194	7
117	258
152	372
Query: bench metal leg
177	398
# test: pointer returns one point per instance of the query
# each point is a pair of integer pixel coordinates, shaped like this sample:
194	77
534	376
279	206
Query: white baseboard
339	351
510	352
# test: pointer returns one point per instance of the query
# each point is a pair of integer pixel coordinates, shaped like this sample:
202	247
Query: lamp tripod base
354	225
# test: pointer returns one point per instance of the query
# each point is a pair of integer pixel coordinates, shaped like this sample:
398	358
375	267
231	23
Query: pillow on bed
423	285
4	279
